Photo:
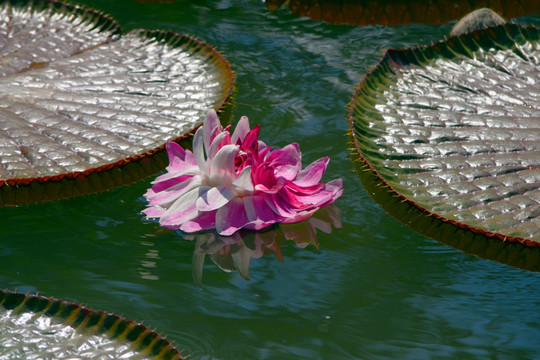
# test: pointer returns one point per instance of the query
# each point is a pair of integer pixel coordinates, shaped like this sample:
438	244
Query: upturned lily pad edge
372	12
22	191
85	320
379	186
514	254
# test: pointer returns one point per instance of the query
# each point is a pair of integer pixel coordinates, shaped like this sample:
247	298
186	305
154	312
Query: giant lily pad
395	12
35	327
451	132
85	107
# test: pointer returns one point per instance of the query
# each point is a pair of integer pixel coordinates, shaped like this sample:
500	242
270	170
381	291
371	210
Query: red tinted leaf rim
106	22
365	12
497	37
491	248
92	321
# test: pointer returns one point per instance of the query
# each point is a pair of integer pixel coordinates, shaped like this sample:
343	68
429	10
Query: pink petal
313	173
278	206
307	190
307	202
258	150
300	201
259	214
336	186
179	159
291	198
153	212
231	217
263	177
171	174
301	216
289	161
205	221
169	180
175	151
250	142
215	198
149	192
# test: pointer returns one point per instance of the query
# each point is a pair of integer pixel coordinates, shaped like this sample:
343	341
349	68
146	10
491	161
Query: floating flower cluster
240	184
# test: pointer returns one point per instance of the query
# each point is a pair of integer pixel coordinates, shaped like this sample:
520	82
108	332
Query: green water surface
374	290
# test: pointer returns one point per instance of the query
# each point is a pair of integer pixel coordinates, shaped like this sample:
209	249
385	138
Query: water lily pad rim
417	55
168	37
84	319
103	20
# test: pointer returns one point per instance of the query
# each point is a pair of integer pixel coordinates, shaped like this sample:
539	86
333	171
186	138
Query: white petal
210	123
222	165
165	197
183	209
215	198
198	149
214	146
243	181
241	130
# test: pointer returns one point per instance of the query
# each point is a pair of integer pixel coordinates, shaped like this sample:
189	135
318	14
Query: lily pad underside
33	326
451	131
400	12
85	107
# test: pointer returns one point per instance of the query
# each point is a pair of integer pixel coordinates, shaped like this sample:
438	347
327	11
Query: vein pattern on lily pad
78	95
454	129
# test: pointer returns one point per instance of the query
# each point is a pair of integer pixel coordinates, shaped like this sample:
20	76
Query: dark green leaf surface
453	129
78	96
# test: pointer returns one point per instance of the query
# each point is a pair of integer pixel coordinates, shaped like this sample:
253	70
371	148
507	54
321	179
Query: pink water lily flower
234	181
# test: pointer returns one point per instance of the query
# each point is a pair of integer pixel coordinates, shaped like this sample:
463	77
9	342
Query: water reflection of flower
234	253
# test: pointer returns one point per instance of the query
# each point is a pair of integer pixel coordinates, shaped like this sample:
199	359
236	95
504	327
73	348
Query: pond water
373	290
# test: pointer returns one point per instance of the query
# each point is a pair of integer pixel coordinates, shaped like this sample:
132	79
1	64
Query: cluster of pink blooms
241	183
